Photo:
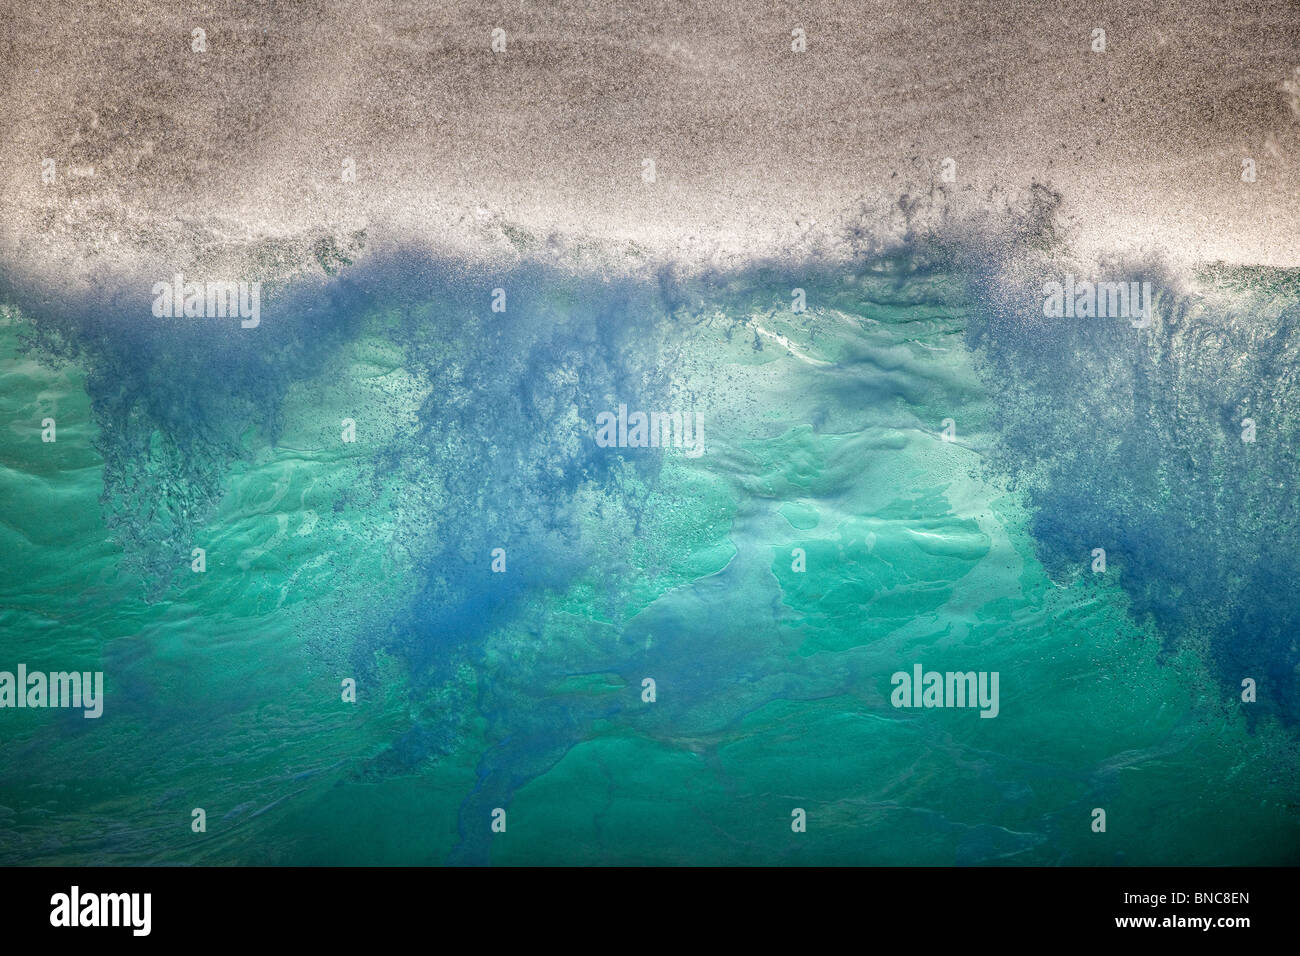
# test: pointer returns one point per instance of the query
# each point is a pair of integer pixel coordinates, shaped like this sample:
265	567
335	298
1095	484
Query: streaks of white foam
788	346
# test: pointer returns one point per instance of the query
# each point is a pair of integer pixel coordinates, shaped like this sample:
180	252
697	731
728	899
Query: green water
329	560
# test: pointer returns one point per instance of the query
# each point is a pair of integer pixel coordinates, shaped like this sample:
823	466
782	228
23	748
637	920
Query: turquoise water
522	690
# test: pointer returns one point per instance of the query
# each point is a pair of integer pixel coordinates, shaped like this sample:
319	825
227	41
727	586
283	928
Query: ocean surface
939	457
